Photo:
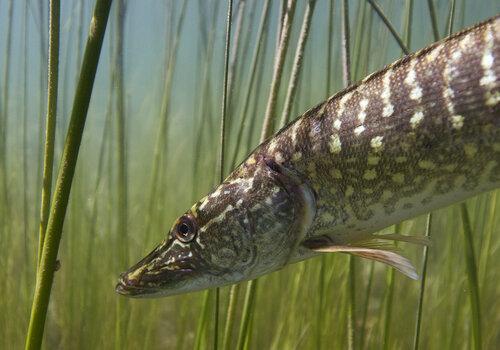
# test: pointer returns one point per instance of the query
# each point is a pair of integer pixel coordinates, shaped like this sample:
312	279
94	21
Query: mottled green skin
421	134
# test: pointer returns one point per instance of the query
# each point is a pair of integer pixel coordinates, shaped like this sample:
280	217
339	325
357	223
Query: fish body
418	135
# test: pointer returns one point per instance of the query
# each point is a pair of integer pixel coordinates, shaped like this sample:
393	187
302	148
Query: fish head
236	233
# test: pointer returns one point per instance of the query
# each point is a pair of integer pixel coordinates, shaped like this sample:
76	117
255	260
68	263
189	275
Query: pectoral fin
371	250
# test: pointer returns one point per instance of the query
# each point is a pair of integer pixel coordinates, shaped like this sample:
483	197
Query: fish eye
185	230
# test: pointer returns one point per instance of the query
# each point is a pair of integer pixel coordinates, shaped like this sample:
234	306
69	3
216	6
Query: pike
418	135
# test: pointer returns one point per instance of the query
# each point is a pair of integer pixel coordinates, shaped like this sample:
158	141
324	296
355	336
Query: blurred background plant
150	149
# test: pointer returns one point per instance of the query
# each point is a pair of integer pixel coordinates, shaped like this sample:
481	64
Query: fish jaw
165	271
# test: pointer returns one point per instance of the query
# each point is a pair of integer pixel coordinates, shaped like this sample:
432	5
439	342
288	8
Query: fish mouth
161	283
157	274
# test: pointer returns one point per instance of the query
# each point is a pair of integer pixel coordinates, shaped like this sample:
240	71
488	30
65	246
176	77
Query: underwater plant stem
279	63
297	63
266	130
50	122
346	56
389	26
170	63
4	124
472	278
222	147
432	13
418	323
45	274
225	91
346	77
451	18
231	313
122	315
246	313
260	43
389	300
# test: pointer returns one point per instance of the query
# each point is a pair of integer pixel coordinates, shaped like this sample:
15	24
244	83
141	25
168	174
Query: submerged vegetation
154	142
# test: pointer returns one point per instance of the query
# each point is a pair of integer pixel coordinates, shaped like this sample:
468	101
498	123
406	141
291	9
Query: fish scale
420	134
370	170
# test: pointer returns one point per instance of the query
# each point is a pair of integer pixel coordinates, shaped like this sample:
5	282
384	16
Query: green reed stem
451	18
266	130
346	78
389	26
233	294
170	63
261	35
45	274
121	183
232	57
389	300
230	315
225	93
366	306
279	63
202	321
297	63
472	278
418	323
434	23
4	123
322	269
408	20
50	123
248	306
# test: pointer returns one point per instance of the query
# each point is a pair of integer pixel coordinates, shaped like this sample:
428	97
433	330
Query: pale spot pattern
388	108
335	145
416	119
376	143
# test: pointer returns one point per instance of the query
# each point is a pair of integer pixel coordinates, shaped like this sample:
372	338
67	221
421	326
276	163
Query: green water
169	166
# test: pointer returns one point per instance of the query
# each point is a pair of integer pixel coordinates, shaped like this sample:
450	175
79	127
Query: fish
420	134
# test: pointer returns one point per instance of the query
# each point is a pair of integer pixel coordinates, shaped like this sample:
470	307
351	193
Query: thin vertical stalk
322	269
4	122
366	306
204	106
225	93
451	17
408	24
121	183
43	74
389	26
486	245
234	55
418	323
25	147
269	116
163	126
50	121
248	305
346	77
121	130
297	63
234	291
266	130
331	6
261	35
45	274
345	48
470	261
434	23
389	300
200	329
231	313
